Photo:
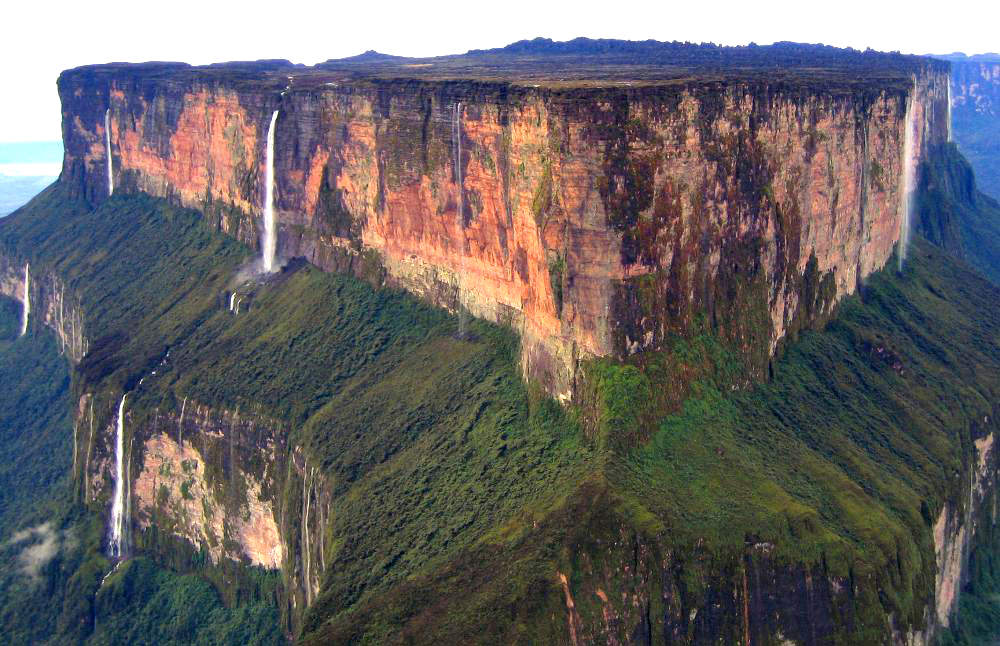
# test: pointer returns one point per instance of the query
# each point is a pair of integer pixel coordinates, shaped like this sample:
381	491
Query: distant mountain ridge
990	57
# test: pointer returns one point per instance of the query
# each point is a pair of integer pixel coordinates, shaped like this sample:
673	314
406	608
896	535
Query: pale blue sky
43	38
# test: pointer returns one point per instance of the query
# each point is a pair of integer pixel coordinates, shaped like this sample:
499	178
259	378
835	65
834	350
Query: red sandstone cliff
595	220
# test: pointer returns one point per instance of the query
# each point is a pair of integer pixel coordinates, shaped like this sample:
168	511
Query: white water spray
232	301
457	138
107	149
115	544
949	109
26	309
269	244
456	135
907	182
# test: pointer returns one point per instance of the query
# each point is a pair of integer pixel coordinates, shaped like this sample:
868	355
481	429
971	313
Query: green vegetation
51	560
841	462
460	498
861	425
144	604
376	386
35	428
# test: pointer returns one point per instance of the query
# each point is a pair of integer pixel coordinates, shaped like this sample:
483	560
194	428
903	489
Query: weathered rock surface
596	219
52	305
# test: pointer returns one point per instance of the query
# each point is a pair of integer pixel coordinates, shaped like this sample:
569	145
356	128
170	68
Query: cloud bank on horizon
44	38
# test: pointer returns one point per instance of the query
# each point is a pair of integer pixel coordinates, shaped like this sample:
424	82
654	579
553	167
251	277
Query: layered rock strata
595	219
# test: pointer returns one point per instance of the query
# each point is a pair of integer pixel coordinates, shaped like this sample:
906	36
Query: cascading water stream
907	181
269	244
949	109
456	132
107	150
457	139
26	309
115	544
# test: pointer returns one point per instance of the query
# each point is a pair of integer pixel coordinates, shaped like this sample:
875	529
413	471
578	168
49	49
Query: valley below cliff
545	362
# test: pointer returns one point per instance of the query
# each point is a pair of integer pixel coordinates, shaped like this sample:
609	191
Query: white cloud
39	169
45	544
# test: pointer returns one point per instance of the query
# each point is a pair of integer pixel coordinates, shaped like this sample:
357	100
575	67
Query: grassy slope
374	384
862	426
35	427
459	493
62	601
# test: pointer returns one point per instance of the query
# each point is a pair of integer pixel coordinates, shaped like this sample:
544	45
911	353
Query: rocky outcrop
955	528
52	305
211	478
596	219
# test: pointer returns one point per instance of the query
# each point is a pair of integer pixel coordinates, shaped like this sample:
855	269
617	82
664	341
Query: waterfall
26	309
232	301
180	424
907	182
457	145
115	544
269	244
107	149
949	109
456	136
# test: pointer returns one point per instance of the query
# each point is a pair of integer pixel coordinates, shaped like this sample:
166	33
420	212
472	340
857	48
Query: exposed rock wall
630	588
955	528
52	305
222	481
212	478
595	221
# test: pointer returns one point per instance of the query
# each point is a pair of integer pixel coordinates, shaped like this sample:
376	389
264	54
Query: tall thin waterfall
907	182
116	542
269	244
26	309
456	137
107	150
949	109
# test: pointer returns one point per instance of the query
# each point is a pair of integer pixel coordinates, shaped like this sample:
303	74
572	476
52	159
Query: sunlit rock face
209	477
597	219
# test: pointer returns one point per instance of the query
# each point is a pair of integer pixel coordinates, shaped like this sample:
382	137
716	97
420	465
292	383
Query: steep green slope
467	507
840	463
51	566
35	428
376	387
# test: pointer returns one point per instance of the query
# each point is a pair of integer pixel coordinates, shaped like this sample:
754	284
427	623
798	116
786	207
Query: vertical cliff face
976	115
208	477
52	305
596	221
